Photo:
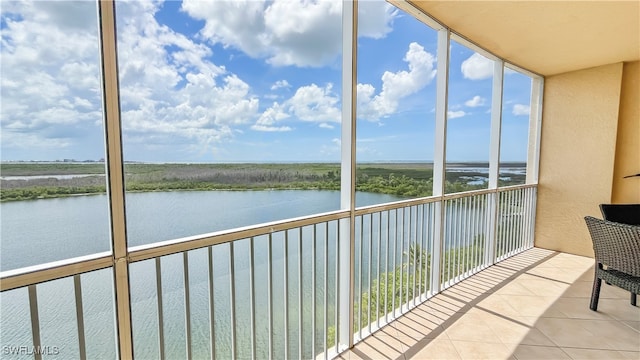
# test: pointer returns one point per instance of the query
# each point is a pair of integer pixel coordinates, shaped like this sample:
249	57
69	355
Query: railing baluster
531	192
370	258
212	322
158	262
512	223
286	294
313	291
426	246
187	303
270	293
414	242
35	320
470	213
378	270
386	268
232	285
337	289
252	289
77	288
465	238
359	292
326	288
300	293
508	218
447	244
402	237
395	258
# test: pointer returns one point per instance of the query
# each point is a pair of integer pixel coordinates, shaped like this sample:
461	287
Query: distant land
40	179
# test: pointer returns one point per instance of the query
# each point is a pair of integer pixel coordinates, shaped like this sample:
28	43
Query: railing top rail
395	205
156	249
516	187
13	279
425	200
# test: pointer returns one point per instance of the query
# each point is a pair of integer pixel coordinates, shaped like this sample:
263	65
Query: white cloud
310	103
455	114
520	109
475	101
300	33
170	93
313	103
270	117
375	18
280	84
477	67
48	104
396	86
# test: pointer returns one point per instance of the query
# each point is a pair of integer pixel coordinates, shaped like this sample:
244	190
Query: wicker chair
617	255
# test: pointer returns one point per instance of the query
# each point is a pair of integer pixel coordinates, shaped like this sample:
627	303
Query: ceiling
546	37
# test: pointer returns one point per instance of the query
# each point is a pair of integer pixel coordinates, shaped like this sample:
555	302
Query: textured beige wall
628	143
578	144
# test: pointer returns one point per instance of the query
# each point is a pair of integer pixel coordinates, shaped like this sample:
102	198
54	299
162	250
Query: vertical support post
494	160
160	306
35	320
212	312
115	176
77	287
348	170
496	120
439	155
535	130
232	299
187	305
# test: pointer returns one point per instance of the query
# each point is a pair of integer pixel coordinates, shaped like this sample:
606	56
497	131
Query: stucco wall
578	146
628	143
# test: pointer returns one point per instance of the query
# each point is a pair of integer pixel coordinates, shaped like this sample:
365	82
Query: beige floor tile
570	333
516	331
530	352
617	335
532	305
619	309
514	288
632	324
578	308
565	275
630	354
542	287
497	304
482	350
437	349
581	289
471	327
415	326
377	347
587	276
611	291
595	354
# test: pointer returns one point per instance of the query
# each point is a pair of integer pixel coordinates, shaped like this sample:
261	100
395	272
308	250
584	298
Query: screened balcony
493	268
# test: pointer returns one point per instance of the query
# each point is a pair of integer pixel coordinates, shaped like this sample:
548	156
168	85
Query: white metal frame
122	256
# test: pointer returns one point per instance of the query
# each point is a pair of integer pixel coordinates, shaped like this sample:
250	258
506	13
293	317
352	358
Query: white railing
272	290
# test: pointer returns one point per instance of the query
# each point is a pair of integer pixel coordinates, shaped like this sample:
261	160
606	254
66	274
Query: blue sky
238	81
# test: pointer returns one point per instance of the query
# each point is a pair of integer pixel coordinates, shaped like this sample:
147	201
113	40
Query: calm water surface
39	231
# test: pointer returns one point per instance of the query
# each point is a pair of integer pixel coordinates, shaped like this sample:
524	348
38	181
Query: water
40	231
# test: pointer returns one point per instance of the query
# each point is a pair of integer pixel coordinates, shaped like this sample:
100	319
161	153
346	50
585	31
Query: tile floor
534	305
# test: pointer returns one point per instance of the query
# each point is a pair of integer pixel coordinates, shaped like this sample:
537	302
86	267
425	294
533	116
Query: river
40	231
